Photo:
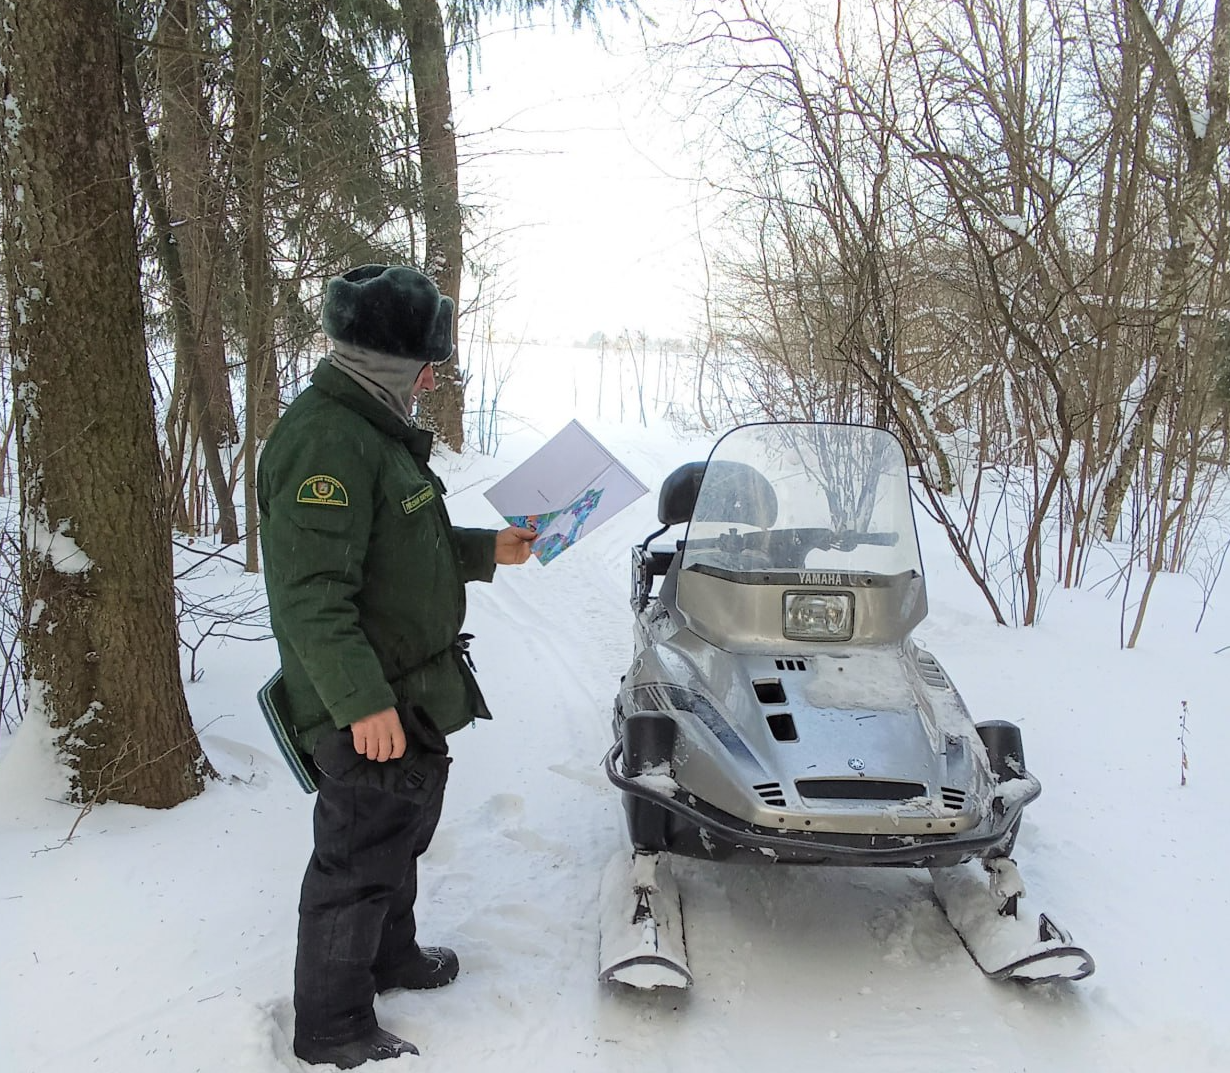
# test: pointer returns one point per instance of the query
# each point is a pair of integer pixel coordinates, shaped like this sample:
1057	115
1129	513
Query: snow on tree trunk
100	635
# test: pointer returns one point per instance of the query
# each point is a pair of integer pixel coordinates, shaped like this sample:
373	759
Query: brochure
565	489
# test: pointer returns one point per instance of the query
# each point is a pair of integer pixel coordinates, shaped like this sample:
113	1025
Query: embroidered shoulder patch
323	490
419	499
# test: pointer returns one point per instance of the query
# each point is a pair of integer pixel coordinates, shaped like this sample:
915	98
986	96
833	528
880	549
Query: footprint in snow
592	777
504	807
535	842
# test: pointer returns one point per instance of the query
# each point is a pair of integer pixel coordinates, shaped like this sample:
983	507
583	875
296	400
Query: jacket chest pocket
411	509
414	498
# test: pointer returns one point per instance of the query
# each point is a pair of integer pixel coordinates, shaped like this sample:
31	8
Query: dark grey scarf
387	378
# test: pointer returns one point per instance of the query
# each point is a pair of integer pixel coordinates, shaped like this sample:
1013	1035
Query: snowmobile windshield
803	497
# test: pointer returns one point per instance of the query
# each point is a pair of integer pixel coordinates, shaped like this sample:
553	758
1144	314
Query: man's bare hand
512	545
379	736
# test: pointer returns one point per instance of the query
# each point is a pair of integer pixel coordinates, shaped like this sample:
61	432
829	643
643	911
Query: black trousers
356	907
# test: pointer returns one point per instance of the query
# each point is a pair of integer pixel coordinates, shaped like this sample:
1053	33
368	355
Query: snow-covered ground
163	941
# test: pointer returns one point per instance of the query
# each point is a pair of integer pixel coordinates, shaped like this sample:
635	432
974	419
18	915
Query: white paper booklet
565	489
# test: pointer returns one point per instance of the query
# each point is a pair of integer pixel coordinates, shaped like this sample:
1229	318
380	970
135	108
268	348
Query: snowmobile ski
1002	945
641	927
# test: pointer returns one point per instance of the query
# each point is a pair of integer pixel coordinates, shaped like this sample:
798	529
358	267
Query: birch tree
1201	134
1183	382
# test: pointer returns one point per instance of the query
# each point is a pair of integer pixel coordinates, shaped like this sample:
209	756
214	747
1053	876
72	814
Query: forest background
998	228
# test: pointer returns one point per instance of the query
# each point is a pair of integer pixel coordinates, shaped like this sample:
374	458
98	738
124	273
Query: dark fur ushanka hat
391	310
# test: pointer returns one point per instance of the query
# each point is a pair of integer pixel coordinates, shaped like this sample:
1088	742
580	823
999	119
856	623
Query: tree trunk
439	192
250	152
102	659
194	200
186	335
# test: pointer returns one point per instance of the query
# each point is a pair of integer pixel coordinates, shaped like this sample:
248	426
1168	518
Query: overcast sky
587	181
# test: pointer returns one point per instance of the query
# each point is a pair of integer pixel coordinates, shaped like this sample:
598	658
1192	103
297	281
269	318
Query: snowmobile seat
647	564
658	561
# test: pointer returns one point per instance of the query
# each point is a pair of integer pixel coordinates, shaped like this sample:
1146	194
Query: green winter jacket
365	573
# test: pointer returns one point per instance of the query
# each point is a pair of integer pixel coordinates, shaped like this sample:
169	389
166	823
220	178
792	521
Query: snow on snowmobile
778	710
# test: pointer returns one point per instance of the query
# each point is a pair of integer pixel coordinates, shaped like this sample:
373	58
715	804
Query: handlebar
820	538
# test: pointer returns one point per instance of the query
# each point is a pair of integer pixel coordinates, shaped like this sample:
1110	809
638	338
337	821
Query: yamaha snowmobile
778	710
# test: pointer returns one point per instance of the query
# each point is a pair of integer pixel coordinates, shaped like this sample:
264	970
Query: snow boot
376	1046
430	967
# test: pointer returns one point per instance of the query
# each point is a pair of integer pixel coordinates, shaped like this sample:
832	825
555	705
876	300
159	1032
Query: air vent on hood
769	690
931	671
791	664
771	793
953	798
859	789
781	724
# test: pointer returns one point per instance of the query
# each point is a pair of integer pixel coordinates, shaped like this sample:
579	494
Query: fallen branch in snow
106	784
1183	745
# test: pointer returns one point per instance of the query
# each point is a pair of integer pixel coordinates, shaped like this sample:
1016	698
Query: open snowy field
164	942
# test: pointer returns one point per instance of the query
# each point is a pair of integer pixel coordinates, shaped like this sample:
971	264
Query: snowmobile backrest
678	495
735	492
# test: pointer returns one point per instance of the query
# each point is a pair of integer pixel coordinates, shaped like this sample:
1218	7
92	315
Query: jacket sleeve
320	505
475	553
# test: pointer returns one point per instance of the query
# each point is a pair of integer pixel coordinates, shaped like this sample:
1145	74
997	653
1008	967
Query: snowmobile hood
852	739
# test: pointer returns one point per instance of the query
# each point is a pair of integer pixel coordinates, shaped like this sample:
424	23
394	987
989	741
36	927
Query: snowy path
163	942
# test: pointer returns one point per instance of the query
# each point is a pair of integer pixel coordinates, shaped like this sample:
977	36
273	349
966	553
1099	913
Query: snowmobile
778	710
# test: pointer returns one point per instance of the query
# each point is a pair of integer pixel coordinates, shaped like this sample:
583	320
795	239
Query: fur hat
390	310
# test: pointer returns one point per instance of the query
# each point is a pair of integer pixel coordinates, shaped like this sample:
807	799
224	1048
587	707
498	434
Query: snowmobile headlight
818	616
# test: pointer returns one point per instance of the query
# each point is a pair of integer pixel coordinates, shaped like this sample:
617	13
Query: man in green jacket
366	579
